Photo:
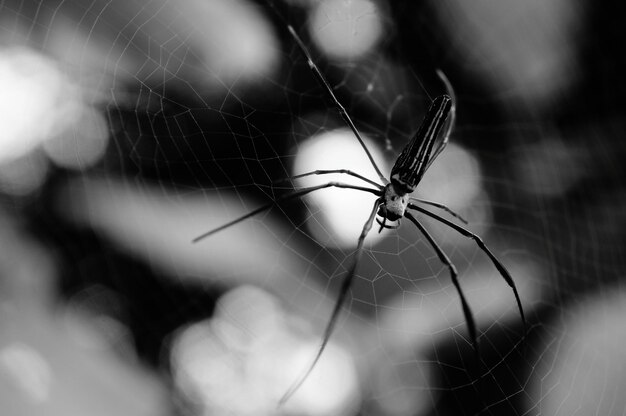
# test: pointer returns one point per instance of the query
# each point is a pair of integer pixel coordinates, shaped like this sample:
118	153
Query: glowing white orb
244	358
338	215
84	144
43	108
346	29
28	370
455	179
34	97
233	39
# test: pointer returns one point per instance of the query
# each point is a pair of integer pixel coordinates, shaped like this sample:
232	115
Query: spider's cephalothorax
394	203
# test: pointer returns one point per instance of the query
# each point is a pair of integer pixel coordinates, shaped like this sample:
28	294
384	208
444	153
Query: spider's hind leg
440	206
469	316
479	242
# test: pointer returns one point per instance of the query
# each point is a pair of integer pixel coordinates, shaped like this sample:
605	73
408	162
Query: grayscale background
128	128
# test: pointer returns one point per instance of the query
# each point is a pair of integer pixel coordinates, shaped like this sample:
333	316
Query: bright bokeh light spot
338	215
33	103
28	371
581	370
236	43
83	145
346	29
455	180
331	388
526	46
24	175
243	360
207	45
41	106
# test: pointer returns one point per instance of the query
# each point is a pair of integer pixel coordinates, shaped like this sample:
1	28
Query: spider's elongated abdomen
412	162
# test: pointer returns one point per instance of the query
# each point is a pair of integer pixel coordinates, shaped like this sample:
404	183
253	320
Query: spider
394	200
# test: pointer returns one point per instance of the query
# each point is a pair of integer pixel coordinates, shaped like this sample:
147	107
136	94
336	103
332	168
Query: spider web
146	124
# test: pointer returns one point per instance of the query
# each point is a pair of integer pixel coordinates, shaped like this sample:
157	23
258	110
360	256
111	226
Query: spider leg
340	108
469	317
343	291
503	271
441	206
292	195
328	171
383	224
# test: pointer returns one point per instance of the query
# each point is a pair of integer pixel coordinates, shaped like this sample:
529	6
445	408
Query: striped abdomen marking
412	162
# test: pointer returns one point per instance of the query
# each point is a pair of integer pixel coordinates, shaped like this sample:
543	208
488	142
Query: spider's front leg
343	292
469	316
292	195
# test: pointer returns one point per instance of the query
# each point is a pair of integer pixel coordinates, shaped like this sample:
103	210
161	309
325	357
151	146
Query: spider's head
394	204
